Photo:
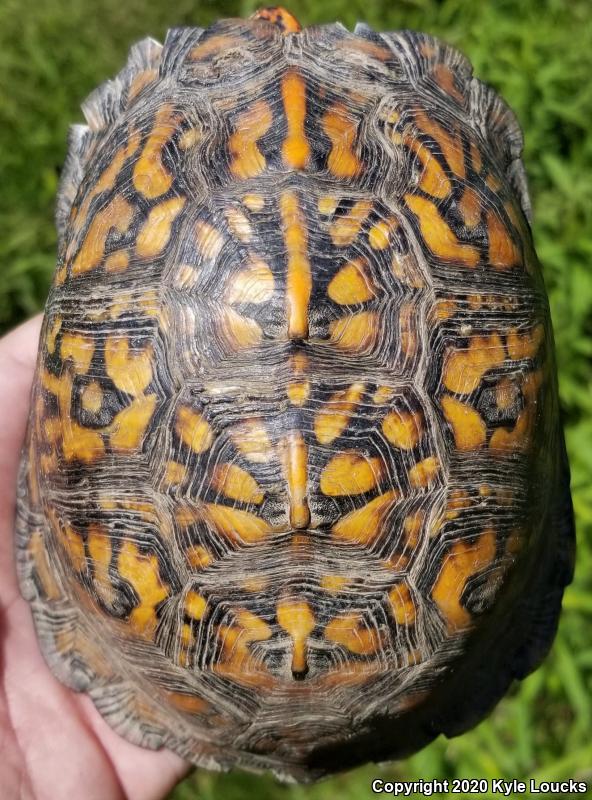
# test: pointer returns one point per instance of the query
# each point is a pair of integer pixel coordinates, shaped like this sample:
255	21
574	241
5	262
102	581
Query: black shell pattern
294	494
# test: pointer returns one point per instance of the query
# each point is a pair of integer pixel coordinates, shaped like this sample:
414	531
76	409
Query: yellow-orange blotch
236	483
156	231
364	525
438	236
236	525
402	605
351	284
333	417
296	618
342	130
195	605
116	215
350	473
355	333
254	284
462	562
464	369
79	348
247	160
252	440
346	227
142	572
403	428
525	345
193	429
130	371
468	427
129	425
503	251
350	631
150	176
424	472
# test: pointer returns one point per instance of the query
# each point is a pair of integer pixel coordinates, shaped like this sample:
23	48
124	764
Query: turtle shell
294	494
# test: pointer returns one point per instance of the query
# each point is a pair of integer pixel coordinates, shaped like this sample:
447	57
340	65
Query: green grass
539	56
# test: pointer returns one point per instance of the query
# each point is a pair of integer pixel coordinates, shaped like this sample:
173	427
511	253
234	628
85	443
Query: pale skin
54	745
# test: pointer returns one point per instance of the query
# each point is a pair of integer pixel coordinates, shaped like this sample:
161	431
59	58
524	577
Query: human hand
54	745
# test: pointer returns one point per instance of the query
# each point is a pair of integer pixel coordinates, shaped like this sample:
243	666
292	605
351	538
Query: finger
18	353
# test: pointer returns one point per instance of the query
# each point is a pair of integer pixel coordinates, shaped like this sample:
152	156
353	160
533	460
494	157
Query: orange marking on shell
464	369
424	472
333	417
504	252
78	443
364	525
350	473
254	202
476	157
195	605
238	331
462	562
298	391
470	206
251	439
402	605
278	16
130	371
438	235
294	456
141	80
299	278
129	426
297	619
156	231
117	214
198	557
214	45
239	224
342	131
433	179
345	228
355	333
52	334
444	77
236	483
247	161
209	240
80	349
350	631
467	425
295	149
450	146
520	437
188	703
254	284
333	583
403	429
238	663
100	552
379	234
506	394
236	525
142	572
73	544
175	473
150	176
193	429
118	261
525	345
327	204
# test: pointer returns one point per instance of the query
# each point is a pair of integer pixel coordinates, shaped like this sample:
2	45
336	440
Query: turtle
294	494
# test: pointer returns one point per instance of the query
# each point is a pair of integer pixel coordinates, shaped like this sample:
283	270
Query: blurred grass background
538	54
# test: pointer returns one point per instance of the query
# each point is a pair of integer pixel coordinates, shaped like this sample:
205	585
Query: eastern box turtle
294	494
